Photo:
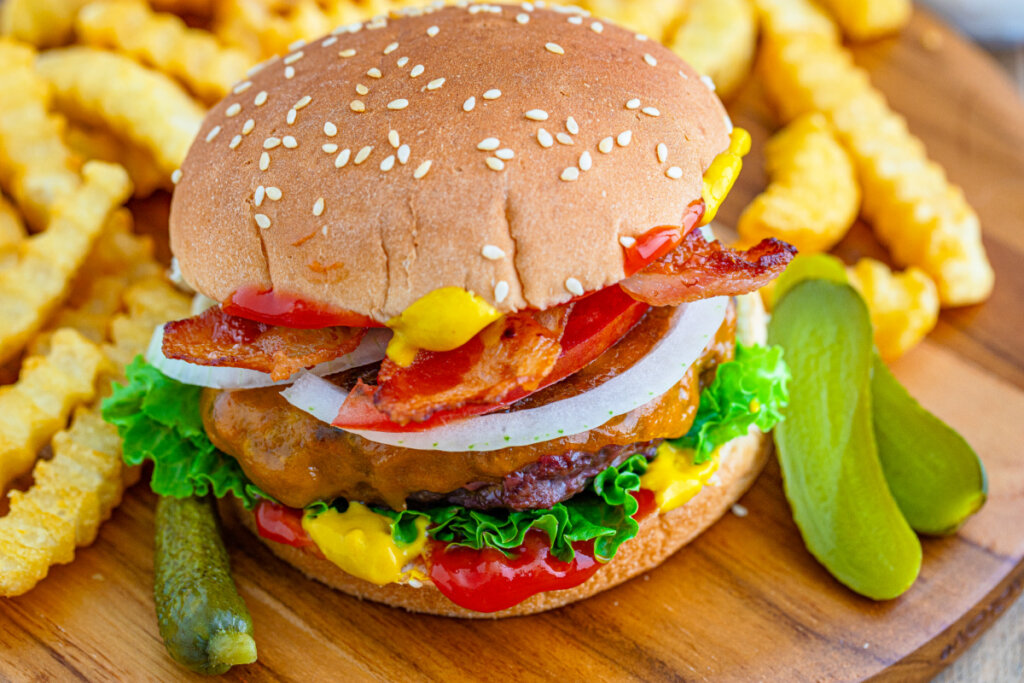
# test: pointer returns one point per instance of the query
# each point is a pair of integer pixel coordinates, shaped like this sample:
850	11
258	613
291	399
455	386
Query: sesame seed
402	61
296	45
650	60
264	161
555	48
417	71
398	104
329	148
271	143
492	94
523	18
536	115
292	58
684	76
327	42
570	174
257	199
422	169
318	206
492	253
641	37
363	154
274	193
435	84
262	220
374	73
343	158
289	142
564	139
586	161
495	164
662	151
489	144
242	87
176	176
214	132
469	105
347	53
627	241
505	154
572	126
576	19
544	138
233	109
393	138
290	116
574	286
597	27
248	126
500	291
324	231
606	145
357	106
651	111
433	31
330	130
388	163
675	173
289	72
708	82
624	138
235	141
302	103
528	6
633	104
390	48
260	98
403	154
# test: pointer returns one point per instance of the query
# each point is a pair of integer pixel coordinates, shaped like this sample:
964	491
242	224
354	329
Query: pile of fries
100	102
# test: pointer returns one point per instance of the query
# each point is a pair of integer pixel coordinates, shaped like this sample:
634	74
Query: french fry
12	230
38	405
813	196
150	302
800	17
653	19
264	29
718	38
36	167
869	19
88	142
32	287
43	23
195	8
108	89
163	41
904	307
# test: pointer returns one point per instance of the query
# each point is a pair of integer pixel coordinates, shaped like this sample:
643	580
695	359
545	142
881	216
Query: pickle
806	267
935	476
826	446
203	620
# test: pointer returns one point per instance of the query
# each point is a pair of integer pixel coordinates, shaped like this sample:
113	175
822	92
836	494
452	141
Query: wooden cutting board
744	601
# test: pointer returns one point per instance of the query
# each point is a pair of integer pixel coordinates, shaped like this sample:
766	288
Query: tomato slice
281	524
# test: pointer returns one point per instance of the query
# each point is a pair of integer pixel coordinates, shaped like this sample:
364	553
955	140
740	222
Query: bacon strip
218	339
698	269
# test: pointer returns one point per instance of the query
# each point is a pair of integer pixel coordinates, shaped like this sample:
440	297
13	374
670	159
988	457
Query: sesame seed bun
445	182
659	537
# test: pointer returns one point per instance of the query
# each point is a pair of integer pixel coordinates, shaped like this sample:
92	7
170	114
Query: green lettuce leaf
158	419
749	390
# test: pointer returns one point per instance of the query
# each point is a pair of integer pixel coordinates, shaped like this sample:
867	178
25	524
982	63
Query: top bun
370	167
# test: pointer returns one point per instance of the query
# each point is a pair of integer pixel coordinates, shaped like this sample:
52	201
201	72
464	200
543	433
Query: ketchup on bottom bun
469	350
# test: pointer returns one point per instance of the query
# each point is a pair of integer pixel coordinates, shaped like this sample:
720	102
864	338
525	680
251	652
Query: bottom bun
659	537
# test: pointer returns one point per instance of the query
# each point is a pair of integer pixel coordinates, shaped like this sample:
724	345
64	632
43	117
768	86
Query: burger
462	341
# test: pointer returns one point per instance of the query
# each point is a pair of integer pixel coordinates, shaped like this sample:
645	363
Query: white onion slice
370	350
650	377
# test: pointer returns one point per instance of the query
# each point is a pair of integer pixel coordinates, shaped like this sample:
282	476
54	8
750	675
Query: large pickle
203	620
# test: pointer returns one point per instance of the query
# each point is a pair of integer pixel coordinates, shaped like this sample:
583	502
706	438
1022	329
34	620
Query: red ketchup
487	581
657	242
282	524
276	308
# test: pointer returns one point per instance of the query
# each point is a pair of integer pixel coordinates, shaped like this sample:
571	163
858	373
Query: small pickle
826	446
203	620
935	476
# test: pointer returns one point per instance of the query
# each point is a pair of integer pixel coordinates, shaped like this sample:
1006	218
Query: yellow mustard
722	173
674	478
443	320
359	541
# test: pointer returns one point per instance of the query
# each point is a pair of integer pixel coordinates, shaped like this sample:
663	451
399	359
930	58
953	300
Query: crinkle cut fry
104	88
12	230
38	281
36	167
163	41
94	143
869	19
42	23
904	307
718	38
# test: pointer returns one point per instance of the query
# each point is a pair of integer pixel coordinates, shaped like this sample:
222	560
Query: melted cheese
722	173
443	320
674	478
360	542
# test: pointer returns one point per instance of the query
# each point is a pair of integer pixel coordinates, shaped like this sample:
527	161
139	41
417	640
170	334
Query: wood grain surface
743	602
